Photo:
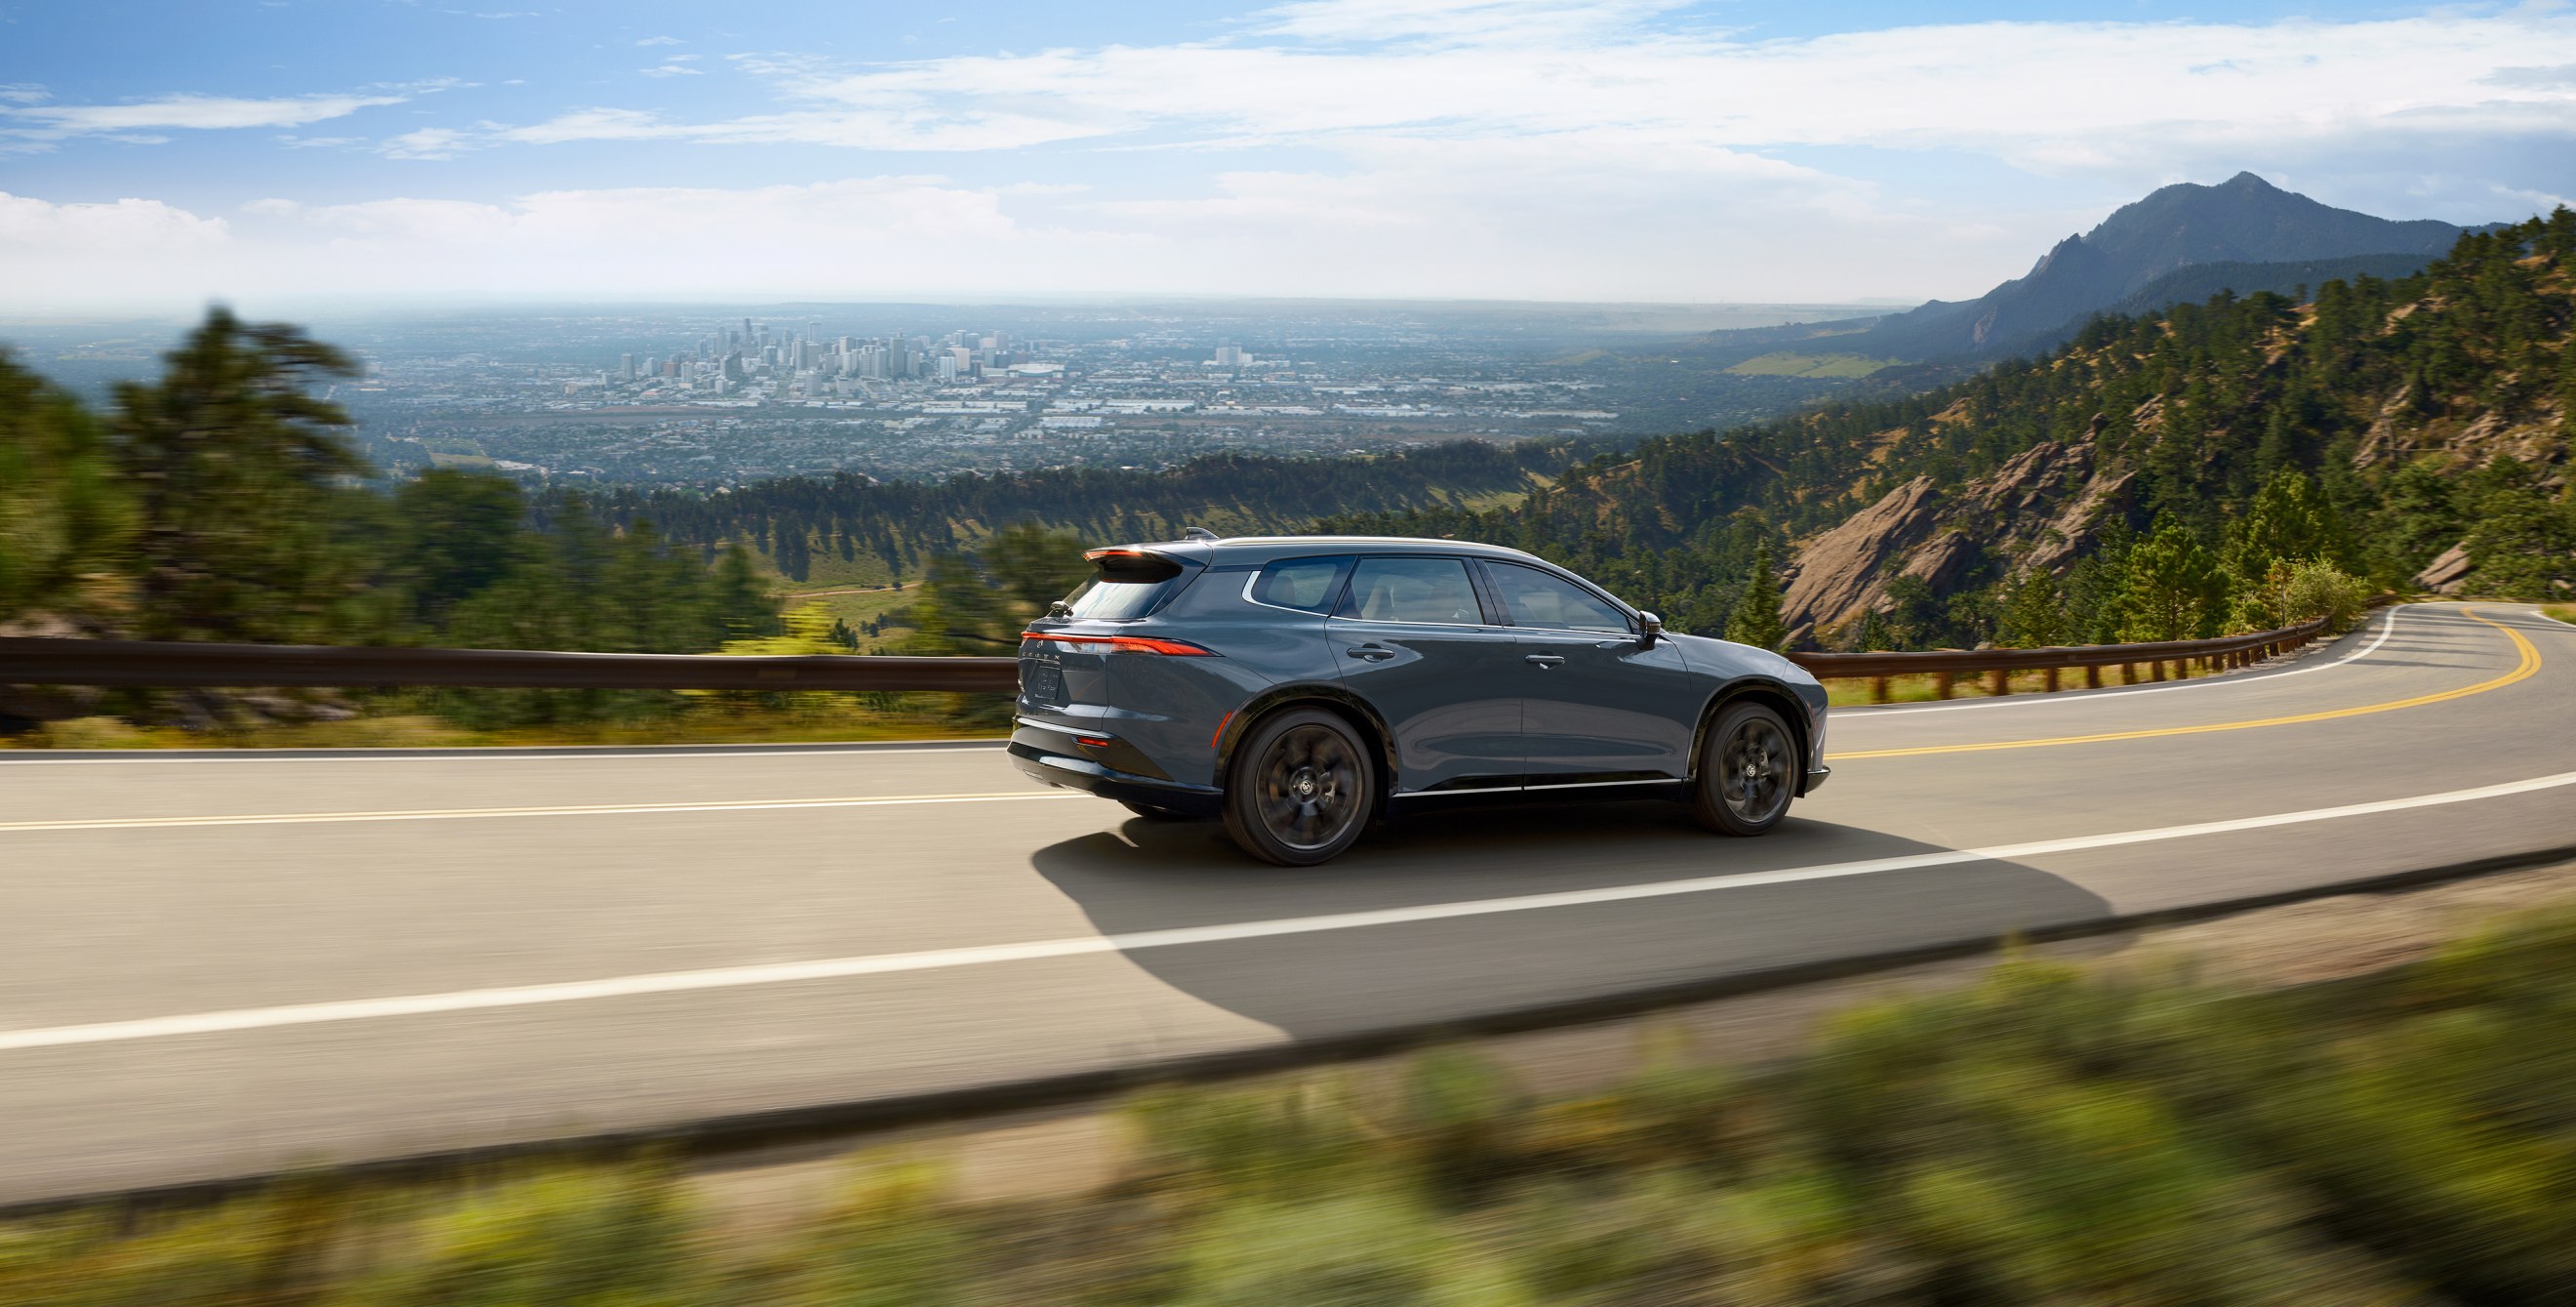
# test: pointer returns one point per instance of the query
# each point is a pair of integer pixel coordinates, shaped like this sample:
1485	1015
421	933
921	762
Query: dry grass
1846	692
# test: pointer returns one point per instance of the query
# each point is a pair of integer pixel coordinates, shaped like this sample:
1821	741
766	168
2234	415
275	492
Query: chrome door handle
1370	652
1545	660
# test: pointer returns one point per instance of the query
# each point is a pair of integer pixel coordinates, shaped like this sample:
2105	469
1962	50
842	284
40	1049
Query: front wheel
1747	772
1301	790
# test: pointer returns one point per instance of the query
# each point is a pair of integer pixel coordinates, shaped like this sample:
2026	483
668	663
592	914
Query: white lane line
674	982
34	758
467	814
1862	713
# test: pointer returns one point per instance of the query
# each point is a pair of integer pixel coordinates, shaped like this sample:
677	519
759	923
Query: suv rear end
1115	692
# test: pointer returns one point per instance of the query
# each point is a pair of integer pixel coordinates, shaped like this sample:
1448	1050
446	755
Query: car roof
1235	550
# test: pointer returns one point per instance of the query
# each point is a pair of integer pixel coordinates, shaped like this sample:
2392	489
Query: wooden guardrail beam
171	665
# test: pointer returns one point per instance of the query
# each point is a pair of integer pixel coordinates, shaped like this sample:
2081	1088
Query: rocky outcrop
2445	575
1840	573
2038	511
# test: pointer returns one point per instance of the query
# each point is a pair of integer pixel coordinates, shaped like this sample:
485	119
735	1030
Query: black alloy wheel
1302	788
1748	772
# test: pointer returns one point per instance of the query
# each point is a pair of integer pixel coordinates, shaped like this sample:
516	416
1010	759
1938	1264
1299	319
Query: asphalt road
220	965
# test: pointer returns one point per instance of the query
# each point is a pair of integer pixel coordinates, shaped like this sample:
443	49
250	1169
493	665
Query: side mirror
1649	629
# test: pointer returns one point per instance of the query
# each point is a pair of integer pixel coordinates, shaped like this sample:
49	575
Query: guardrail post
2158	667
1878	689
2092	676
1941	684
1998	682
2048	681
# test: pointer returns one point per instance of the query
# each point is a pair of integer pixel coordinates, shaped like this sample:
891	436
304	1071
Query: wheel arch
1333	698
1776	696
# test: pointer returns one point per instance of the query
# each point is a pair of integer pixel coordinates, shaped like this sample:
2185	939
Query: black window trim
1333	605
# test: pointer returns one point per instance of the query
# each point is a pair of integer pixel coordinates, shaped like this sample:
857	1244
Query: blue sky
292	151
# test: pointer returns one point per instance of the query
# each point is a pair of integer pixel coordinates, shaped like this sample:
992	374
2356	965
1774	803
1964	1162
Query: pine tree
1756	619
234	464
65	521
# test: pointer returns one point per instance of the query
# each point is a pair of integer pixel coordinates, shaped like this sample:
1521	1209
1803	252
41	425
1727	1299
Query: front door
1412	640
1596	706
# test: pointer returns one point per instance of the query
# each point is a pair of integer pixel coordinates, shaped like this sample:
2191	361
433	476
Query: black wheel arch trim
1774	694
1240	722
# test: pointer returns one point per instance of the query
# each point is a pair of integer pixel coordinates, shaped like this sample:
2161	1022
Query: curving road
216	965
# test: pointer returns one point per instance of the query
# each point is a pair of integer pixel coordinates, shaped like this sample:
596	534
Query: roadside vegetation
2046	1136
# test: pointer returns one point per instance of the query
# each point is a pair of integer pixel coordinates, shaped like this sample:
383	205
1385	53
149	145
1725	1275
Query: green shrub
602	1237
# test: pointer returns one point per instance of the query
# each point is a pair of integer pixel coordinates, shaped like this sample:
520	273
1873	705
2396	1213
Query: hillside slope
2378	425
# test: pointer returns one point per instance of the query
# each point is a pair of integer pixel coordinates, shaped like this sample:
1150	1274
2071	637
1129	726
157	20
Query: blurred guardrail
165	665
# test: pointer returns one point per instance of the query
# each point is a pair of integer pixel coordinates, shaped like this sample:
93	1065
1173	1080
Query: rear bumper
1045	757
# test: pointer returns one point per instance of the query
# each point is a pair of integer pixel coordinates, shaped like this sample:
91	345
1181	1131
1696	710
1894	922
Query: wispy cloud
661	40
427	143
40	122
1351	72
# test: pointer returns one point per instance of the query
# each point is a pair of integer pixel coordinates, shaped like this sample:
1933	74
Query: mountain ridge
2244	220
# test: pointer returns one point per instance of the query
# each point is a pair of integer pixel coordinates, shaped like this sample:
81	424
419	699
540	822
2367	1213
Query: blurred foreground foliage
224	502
2045	1137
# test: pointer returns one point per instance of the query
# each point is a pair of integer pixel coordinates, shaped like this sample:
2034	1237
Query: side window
1432	590
1310	584
1535	598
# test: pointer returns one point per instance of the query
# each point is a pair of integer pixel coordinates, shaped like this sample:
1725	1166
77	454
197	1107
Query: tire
1302	788
1151	813
1748	772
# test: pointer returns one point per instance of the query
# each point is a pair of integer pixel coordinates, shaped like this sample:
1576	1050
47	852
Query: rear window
1306	584
1131	583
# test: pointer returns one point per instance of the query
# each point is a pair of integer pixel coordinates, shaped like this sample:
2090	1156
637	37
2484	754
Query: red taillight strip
1126	643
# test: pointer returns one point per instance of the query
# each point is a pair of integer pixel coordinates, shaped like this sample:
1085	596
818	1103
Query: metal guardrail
1997	665
167	665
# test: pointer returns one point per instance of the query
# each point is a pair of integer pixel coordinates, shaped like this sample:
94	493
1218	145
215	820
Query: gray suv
1302	687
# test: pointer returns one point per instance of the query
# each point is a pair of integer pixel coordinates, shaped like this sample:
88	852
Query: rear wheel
1747	772
1301	790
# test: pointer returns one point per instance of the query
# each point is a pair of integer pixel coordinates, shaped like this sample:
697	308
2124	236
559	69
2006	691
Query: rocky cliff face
2038	511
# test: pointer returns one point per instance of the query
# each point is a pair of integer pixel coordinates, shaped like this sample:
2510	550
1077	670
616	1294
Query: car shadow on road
1155	876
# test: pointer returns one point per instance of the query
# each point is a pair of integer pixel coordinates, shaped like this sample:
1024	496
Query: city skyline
287	154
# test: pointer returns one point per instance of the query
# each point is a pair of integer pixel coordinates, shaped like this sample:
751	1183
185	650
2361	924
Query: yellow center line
2529	664
455	814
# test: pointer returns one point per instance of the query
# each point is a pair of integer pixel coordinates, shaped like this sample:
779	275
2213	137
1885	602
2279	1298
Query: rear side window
1130	584
1429	590
1306	584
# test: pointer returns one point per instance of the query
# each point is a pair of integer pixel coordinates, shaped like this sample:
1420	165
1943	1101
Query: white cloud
672	70
661	40
196	112
427	143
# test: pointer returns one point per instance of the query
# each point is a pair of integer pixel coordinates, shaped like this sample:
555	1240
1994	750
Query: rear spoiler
1133	565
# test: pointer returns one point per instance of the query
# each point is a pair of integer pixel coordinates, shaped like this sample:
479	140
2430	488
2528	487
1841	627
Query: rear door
1416	643
1596	707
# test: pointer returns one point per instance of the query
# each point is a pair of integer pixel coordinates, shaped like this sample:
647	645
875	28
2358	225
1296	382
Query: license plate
1045	682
